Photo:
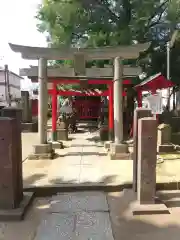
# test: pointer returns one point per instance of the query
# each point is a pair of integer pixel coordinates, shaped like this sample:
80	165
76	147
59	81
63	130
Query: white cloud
18	25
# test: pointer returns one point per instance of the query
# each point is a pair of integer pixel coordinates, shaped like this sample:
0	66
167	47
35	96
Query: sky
18	25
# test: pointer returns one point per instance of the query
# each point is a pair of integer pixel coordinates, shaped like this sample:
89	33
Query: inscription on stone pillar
138	114
147	151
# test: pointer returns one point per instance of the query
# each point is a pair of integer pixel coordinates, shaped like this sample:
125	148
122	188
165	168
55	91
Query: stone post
118	150
147	152
43	149
16	114
118	111
138	114
13	201
146	203
43	101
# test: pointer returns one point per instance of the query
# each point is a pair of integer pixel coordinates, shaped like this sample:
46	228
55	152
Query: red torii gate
55	92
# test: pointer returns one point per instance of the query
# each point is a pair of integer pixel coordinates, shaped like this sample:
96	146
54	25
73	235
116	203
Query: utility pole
169	45
168	72
7	85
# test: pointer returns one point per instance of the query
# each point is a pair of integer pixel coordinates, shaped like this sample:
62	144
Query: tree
94	23
99	22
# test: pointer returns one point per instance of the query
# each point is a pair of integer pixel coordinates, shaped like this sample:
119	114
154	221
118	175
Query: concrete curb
52	190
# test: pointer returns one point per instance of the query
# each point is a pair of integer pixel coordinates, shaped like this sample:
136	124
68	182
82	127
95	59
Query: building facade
14	89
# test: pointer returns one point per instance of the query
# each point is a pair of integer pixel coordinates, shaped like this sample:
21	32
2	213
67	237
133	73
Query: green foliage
94	23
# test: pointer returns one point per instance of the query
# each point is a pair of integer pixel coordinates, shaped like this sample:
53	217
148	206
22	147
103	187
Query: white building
14	86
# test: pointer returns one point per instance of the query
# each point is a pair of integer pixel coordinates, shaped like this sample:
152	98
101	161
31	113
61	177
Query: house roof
157	81
14	74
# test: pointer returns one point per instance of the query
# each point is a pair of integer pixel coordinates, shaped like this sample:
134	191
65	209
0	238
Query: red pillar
139	98
54	112
111	113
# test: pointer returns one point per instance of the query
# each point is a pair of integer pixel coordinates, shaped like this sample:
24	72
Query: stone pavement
83	215
93	215
85	162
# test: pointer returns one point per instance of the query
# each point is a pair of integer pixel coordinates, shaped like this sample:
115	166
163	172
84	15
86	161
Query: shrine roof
155	82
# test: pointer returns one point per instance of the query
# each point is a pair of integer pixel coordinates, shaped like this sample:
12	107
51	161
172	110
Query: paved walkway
85	162
81	216
93	216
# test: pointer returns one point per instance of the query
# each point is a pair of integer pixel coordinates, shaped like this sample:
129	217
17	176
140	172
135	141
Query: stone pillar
16	114
138	114
13	202
54	113
147	152
146	175
43	101
25	106
118	149
11	190
43	150
118	111
111	113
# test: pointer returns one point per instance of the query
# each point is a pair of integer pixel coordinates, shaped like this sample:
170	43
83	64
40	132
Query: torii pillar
43	149
118	149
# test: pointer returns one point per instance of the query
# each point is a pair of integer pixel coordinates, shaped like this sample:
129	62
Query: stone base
17	214
30	127
62	134
175	138
165	148
144	209
119	151
149	209
42	151
107	145
57	145
104	133
42	148
120	156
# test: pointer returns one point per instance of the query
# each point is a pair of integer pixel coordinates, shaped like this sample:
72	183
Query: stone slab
166	148
42	148
118	149
80	225
144	209
56	227
120	156
93	225
34	156
56	144
107	145
30	127
17	214
149	209
79	201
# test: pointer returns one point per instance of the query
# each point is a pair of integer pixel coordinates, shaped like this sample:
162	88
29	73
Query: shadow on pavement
147	227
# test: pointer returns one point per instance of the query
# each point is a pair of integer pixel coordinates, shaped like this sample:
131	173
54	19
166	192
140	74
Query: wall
14	82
